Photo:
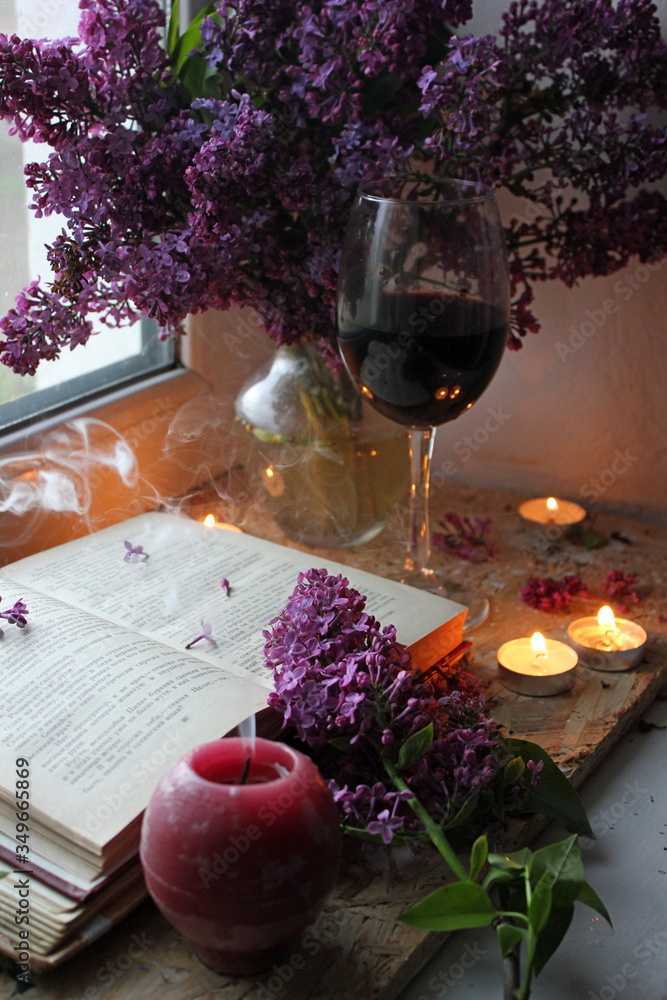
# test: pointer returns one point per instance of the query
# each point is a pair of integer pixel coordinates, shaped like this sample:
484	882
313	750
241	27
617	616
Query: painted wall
581	411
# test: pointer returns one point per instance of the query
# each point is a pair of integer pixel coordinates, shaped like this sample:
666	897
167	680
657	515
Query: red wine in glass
423	317
427	358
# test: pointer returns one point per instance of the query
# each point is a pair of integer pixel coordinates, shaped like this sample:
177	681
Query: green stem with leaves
432	828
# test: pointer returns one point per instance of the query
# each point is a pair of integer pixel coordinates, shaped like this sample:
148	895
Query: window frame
153	358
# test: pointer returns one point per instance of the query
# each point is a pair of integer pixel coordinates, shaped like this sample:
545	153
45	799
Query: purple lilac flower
134	553
206	633
466	537
16	615
224	583
535	769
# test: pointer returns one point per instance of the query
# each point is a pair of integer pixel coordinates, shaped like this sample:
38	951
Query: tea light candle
549	510
607	642
536	666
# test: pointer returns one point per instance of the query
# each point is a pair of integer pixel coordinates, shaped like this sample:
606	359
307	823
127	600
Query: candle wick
611	638
540	661
244	772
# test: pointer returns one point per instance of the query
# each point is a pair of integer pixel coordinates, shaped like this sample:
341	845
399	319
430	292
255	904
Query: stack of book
101	697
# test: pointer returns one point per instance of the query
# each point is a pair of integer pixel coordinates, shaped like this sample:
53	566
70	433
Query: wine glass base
471	597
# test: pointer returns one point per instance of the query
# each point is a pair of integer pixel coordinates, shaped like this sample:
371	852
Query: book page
168	595
100	713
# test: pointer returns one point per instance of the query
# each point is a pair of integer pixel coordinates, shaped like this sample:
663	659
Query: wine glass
423	315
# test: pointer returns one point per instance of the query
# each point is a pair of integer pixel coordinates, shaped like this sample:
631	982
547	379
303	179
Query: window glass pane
110	355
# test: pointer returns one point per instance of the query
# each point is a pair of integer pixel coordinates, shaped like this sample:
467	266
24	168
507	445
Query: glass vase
330	470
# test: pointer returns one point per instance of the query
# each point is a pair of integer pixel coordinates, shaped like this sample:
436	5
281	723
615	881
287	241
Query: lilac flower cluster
466	537
16	615
547	594
340	676
334	665
225	177
618	585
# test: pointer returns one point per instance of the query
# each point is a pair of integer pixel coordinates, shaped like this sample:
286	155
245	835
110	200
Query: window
115	357
177	422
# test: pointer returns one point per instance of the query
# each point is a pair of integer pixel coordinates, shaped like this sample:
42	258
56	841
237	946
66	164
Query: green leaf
552	935
540	905
173	32
497	876
554	796
478	855
341	742
199	79
585	534
453	907
513	770
191	38
517	859
562	865
509	936
589	897
464	813
415	747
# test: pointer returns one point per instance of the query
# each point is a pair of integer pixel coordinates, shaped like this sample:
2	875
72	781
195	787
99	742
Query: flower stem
432	828
511	973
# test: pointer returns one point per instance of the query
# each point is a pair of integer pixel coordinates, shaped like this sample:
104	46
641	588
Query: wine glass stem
419	533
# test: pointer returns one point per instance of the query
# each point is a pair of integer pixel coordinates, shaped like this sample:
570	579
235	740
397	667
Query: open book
101	696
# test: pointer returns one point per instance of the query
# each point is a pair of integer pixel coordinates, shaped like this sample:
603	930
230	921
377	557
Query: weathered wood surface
357	949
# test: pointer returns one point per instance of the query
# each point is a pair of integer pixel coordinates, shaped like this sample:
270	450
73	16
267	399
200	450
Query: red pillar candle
239	869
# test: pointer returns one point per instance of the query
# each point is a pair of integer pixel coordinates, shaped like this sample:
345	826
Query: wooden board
357	949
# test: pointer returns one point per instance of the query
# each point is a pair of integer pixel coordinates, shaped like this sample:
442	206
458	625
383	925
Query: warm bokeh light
552	503
209	521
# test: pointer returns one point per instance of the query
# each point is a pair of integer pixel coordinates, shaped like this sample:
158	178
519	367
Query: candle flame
210	522
538	643
552	504
606	618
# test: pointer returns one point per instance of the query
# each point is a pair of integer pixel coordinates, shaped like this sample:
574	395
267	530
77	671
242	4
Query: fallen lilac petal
16	615
134	553
205	634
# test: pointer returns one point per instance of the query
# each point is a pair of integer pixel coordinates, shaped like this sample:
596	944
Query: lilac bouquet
412	762
340	677
217	167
